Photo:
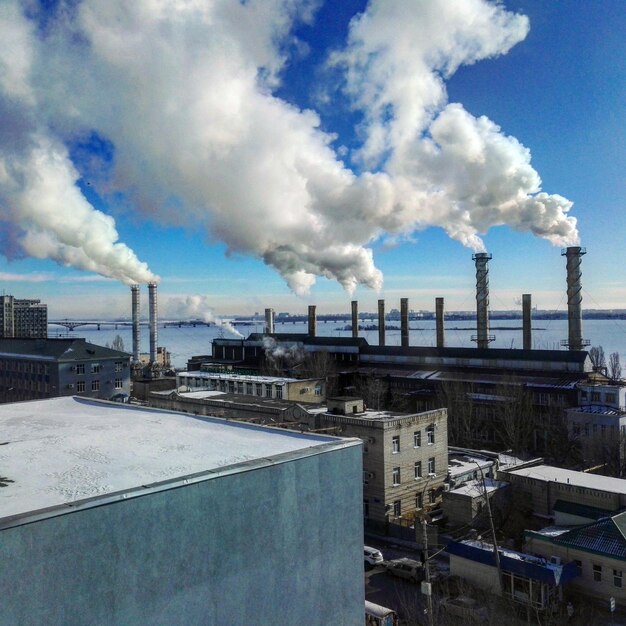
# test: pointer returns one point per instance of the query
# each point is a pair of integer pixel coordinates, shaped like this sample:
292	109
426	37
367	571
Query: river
547	334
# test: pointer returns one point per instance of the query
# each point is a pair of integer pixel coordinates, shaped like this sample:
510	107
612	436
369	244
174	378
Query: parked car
465	608
372	556
405	568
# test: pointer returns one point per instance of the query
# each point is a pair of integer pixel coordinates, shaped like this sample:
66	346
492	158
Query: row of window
417	439
96	368
597	573
596	396
417	471
593	428
24	366
95	385
396	509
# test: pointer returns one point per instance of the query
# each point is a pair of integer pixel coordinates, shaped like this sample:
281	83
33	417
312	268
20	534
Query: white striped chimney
153	314
134	290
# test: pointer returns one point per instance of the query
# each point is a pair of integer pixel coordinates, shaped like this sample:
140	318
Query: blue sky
203	158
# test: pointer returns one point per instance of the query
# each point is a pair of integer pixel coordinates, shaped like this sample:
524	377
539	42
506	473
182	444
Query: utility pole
426	588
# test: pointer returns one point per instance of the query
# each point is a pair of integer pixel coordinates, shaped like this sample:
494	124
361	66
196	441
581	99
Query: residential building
405	457
118	514
270	387
526	579
598	550
22	318
44	368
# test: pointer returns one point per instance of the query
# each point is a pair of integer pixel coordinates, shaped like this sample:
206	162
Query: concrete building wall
478	574
271	545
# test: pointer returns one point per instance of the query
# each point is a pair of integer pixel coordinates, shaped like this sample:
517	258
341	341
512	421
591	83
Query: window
259	389
431	465
419	501
80	386
80	368
231	386
366	476
95	368
431	496
268	391
397	508
609	398
417	438
597	573
395	444
279	392
430	433
617	577
249	389
118	366
395	476
595	396
418	469
95	385
118	383
366	508
318	390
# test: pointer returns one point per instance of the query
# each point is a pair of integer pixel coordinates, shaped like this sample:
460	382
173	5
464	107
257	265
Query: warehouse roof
57	349
72	452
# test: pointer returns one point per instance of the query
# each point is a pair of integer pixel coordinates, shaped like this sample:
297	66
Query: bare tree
462	422
615	368
515	416
596	354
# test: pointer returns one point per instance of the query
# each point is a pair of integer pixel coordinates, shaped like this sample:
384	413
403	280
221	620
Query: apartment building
405	457
22	318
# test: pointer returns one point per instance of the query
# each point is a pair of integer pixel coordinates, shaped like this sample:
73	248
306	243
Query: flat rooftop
571	477
245	378
63	451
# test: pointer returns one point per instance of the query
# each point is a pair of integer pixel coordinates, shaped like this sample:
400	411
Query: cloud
184	95
34	277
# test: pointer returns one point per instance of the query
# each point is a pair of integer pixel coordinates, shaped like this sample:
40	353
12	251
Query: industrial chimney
575	339
482	300
312	321
134	291
381	322
269	321
355	318
404	322
152	313
526	321
439	323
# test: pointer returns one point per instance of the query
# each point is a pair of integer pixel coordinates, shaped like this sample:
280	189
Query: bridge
73	324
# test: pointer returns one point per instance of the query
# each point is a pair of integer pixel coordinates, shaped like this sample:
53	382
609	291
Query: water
547	334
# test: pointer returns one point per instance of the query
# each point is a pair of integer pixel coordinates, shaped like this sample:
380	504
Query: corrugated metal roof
606	536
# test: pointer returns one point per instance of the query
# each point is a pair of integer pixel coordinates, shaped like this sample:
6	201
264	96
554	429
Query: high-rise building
23	318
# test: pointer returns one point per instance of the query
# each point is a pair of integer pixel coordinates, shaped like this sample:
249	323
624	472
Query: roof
536	568
245	378
476	488
581	510
308	340
57	349
607	536
73	452
571	477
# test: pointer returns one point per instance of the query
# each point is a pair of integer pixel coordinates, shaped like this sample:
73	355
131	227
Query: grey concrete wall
275	545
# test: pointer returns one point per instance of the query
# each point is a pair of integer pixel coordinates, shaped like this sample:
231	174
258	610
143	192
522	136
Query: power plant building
118	514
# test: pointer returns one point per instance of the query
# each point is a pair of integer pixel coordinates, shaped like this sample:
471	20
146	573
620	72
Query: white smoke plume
197	308
185	94
282	355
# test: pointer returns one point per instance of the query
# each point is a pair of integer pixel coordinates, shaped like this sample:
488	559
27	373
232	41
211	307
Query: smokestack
381	322
439	322
269	321
312	321
575	339
526	321
152	313
355	318
482	300
134	292
404	322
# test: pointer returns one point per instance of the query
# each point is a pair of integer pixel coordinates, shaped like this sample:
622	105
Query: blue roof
532	567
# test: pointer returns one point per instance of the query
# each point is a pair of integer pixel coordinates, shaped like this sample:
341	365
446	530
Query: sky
281	153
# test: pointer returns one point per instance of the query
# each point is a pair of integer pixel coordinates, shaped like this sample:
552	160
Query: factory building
32	369
22	318
117	514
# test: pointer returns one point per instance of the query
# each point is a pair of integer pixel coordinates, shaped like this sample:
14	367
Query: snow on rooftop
63	450
571	477
250	378
475	488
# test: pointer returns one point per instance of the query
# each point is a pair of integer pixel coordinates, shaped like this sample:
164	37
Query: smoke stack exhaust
355	318
134	291
441	342
482	300
152	313
381	322
269	321
575	339
312	321
404	322
526	321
